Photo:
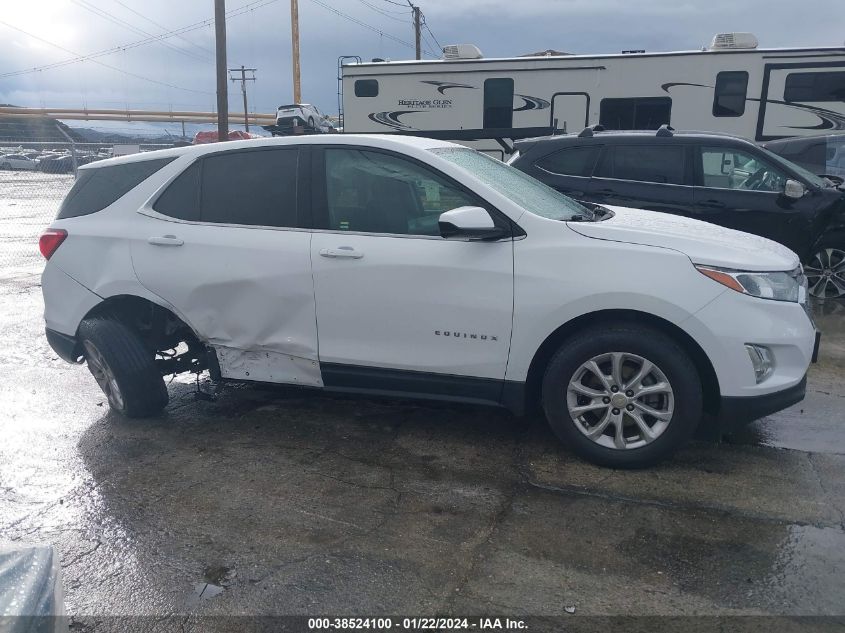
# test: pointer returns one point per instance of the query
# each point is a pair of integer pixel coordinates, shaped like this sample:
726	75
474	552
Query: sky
178	72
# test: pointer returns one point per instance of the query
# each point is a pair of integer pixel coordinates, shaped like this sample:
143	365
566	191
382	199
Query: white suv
302	115
413	267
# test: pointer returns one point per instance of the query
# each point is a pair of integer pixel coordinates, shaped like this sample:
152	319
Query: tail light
50	240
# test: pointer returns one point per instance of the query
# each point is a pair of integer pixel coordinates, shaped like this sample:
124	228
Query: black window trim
716	93
484	106
303	191
786	86
319	202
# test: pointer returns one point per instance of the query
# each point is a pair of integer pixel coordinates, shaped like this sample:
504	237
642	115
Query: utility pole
243	79
222	84
294	42
417	27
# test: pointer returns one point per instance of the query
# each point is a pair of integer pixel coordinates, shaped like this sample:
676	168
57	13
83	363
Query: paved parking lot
272	501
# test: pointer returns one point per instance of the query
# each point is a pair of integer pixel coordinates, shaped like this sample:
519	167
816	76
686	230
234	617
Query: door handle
165	240
712	204
341	251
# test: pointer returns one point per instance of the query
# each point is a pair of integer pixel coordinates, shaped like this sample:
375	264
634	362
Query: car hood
702	242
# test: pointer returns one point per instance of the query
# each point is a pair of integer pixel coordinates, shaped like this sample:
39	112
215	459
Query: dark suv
721	179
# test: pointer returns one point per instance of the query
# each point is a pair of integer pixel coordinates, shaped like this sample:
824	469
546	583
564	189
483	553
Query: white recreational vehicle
731	87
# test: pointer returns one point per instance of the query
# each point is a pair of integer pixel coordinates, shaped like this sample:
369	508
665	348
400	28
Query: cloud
261	39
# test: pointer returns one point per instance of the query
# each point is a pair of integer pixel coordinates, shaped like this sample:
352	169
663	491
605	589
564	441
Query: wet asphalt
275	501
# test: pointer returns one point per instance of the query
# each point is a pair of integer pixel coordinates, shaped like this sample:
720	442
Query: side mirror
472	223
794	189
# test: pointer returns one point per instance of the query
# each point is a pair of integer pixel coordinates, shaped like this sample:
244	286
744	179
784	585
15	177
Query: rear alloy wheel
826	273
622	395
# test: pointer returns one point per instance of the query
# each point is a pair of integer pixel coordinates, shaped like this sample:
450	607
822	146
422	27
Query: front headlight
779	286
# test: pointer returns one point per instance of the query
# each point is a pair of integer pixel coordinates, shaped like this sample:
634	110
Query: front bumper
735	411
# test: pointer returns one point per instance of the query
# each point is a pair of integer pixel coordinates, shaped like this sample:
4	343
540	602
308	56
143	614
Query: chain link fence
34	178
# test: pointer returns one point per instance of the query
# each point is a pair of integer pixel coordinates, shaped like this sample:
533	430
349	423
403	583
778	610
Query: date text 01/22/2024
416	624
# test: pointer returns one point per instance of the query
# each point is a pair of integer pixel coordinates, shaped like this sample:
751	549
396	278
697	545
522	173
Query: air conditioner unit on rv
733	40
461	51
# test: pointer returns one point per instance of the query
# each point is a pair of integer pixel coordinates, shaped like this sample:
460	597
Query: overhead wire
250	6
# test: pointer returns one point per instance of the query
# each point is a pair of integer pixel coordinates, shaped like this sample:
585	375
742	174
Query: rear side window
182	198
729	95
366	88
97	188
573	161
662	164
256	188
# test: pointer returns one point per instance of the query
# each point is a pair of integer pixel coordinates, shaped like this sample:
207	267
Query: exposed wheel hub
826	274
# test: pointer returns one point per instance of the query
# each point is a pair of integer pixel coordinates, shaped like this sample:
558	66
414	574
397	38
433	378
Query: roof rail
665	130
588	131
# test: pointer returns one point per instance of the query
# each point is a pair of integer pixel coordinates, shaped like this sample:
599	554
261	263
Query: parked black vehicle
822	155
721	179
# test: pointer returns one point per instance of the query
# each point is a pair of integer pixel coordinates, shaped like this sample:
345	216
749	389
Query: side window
252	187
574	161
727	168
815	87
637	113
98	187
498	103
181	199
730	92
371	192
366	88
645	163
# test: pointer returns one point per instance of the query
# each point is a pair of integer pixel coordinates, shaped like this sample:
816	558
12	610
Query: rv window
644	163
366	88
829	86
573	161
498	103
638	113
730	92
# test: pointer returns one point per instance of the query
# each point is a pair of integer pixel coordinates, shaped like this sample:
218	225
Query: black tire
140	389
311	123
648	343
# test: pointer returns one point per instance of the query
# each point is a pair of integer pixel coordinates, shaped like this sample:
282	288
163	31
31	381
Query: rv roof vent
734	40
461	51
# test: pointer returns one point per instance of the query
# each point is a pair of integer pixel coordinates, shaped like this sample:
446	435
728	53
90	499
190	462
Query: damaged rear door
224	245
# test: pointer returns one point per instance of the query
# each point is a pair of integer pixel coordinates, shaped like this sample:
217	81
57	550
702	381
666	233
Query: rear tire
123	367
311	122
644	367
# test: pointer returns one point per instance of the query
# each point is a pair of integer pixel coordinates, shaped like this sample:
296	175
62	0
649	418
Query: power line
250	6
96	61
365	25
127	25
199	47
428	28
383	12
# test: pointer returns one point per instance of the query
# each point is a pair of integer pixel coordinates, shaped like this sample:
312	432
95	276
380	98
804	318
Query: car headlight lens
779	286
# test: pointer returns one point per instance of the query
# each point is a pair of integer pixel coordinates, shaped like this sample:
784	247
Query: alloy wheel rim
826	274
620	400
103	374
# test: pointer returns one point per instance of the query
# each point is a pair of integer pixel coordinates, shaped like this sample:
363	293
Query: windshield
806	175
520	188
